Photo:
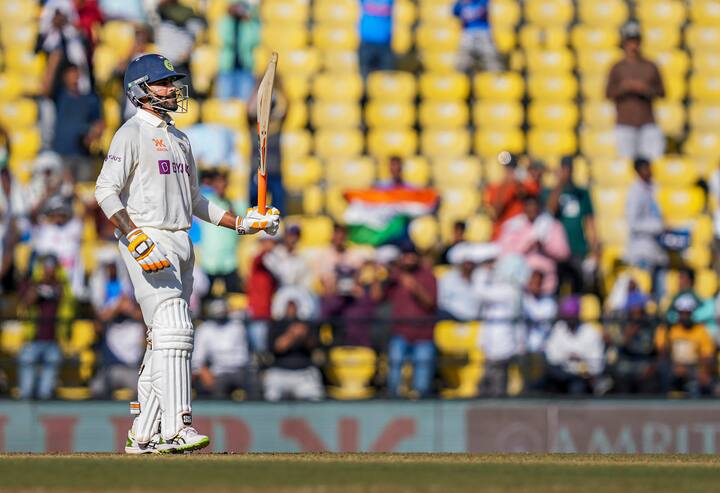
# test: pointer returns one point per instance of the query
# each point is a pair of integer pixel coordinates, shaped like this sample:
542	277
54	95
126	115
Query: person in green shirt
571	205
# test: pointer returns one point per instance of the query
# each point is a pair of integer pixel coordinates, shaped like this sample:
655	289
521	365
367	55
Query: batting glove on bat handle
145	252
254	222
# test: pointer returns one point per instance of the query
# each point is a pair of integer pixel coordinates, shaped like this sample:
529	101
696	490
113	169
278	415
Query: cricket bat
264	101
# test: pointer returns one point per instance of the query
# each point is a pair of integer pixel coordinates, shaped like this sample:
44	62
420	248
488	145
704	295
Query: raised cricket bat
264	101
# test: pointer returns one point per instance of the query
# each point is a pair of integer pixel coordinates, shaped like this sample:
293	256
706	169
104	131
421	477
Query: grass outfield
351	473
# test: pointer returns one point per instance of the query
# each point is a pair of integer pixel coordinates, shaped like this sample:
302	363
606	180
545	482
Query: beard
169	103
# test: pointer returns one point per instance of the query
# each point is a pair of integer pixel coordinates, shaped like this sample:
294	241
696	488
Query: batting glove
146	252
254	222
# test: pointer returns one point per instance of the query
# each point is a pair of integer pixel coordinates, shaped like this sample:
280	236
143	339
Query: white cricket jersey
150	171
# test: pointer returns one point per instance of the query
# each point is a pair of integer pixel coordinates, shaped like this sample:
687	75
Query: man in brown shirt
634	82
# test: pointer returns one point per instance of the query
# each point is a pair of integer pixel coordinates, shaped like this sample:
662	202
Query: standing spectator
90	20
336	265
292	374
635	370
412	294
376	25
633	84
78	126
539	311
458	236
476	44
48	180
688	349
458	297
505	199
538	237
44	296
574	351
645	224
221	354
218	246
240	34
263	286
396	180
278	112
571	205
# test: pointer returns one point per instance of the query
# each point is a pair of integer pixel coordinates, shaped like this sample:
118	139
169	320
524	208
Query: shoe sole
136	451
190	447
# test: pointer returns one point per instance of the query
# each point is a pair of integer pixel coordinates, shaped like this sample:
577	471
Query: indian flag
378	216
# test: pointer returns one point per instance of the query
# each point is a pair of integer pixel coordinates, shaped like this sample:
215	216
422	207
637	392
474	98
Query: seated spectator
240	34
396	180
571	205
501	311
477	47
504	200
40	358
411	291
221	354
635	370
110	280
574	352
686	287
633	84
218	246
122	345
292	374
287	265
539	311
48	180
336	265
260	295
458	290
688	349
539	238
78	126
458	236
376	25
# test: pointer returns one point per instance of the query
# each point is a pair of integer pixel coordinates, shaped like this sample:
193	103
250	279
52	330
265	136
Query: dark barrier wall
382	426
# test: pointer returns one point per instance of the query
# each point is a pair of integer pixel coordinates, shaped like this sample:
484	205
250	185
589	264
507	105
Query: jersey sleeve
202	208
119	164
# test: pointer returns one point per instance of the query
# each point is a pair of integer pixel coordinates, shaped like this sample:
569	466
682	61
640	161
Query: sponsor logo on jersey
160	145
164	166
114	158
167	167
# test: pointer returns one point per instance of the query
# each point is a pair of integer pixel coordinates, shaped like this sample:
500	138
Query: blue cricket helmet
147	69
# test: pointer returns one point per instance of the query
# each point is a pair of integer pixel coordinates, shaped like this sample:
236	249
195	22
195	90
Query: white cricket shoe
132	446
187	440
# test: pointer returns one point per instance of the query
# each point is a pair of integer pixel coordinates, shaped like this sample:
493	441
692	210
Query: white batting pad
147	423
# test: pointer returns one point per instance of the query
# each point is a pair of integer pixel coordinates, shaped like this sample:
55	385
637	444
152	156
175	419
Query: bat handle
262	192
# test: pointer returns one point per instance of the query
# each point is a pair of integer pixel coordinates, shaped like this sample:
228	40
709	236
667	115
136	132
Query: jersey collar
153	120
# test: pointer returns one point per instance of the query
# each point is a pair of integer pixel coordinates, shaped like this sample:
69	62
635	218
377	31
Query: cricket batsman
148	188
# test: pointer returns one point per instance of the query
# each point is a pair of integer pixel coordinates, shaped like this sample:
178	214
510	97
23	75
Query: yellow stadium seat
674	171
609	202
702	233
341	12
553	116
445	143
340	61
337	87
445	114
82	335
456	172
295	144
670	13
204	64
335	203
416	171
424	232
331	143
706	63
598	62
496	87
706	283
550	62
702	38
313	200
387	142
296	88
705	12
435	11
335	37
391	86
444	87
504	39
610	173
350	369
551	144
335	115
284	11
660	38
598	143
301	63
680	203
705	88
24	143
549	13
459	202
697	257
461	363
535	38
592	87
185	120
227	112
587	37
670	116
671	62
111	113
599	115
20	113
439	61
489	114
590	309
352	173
21	36
607	14
387	114
703	144
297	116
316	231
282	37
490	142
301	172
28	63
612	230
434	36
120	35
478	228
11	86
705	117
552	87
675	87
13	336
504	14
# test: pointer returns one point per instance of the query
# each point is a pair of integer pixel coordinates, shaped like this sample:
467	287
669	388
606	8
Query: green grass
350	473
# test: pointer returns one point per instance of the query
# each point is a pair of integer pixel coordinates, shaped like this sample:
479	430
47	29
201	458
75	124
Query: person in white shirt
539	312
221	352
574	351
460	289
148	188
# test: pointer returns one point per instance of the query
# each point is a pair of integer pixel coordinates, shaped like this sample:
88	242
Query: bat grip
262	192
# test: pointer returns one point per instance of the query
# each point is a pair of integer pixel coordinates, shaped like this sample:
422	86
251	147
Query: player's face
167	92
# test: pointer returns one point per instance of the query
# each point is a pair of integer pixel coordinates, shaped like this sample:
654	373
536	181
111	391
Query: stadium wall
386	426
